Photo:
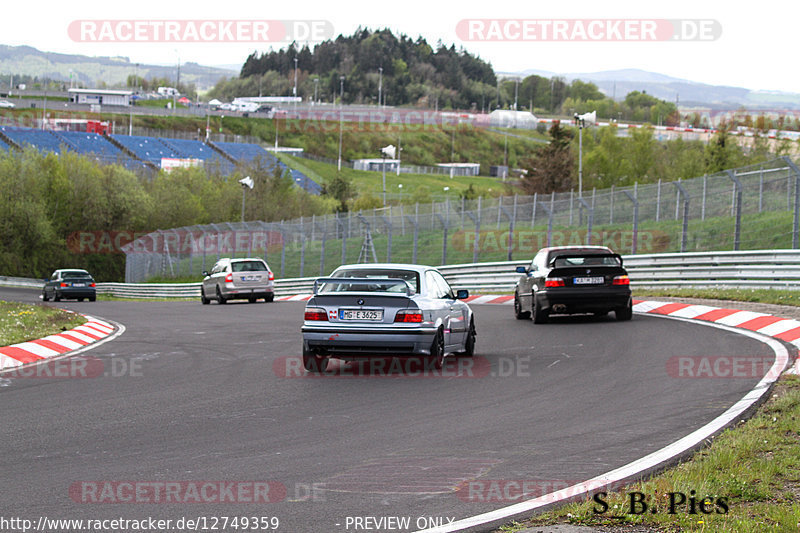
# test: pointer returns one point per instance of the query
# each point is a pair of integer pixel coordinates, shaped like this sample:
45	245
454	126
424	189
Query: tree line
50	202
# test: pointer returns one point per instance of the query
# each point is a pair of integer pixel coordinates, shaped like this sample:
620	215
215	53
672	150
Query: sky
747	45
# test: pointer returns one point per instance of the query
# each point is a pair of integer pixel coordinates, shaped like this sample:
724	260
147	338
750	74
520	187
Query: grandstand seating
147	148
198	150
42	140
150	149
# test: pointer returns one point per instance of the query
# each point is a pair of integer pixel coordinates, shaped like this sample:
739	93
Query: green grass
754	466
22	322
767	296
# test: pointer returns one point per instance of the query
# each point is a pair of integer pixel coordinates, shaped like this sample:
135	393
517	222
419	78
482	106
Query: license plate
249	278
361	314
594	280
78	284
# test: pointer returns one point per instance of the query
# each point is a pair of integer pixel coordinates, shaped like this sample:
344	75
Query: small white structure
168	92
505	118
461	169
100	97
376	164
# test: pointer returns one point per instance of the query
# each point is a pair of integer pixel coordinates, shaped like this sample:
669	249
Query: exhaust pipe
559	308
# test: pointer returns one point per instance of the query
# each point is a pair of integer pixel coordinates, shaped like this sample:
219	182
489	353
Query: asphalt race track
199	394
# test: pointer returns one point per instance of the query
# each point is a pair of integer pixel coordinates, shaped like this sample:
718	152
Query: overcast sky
749	45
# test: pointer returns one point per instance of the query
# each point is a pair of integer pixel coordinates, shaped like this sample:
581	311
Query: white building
461	169
100	97
376	164
505	118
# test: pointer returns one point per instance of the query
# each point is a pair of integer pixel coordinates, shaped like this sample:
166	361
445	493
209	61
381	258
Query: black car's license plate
361	314
591	280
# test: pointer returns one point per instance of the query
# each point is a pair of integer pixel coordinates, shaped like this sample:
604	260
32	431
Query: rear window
248	266
75	274
586	260
410	276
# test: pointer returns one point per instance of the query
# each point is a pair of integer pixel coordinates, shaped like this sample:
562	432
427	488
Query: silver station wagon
243	279
385	310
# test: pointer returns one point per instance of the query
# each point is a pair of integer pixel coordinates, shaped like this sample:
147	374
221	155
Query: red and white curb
77	339
783	329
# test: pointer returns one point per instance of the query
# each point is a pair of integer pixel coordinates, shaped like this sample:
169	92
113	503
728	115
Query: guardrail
766	269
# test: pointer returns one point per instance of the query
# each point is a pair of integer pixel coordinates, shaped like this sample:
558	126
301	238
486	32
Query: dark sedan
72	284
573	279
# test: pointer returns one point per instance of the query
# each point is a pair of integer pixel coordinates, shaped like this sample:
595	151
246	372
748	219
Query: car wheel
80	299
540	316
518	312
469	344
45	297
92	298
313	362
269	298
56	296
203	299
624	313
220	298
437	350
252	299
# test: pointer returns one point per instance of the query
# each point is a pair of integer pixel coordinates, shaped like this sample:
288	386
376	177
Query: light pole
294	90
579	119
316	85
341	120
516	93
380	85
246	182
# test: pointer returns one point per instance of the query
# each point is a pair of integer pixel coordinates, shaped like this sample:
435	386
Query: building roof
101	91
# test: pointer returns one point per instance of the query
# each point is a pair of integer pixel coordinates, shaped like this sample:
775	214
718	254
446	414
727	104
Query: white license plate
361	314
78	284
593	280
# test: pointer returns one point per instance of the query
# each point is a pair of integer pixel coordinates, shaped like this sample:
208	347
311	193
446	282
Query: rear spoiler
366	283
584	255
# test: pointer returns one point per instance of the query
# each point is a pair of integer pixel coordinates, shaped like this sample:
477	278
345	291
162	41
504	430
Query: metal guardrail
766	269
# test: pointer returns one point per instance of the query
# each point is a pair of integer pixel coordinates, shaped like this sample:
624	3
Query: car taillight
621	280
405	315
229	278
93	284
316	313
554	282
271	276
64	284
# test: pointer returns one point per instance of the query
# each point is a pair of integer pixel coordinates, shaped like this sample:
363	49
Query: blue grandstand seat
42	140
147	148
245	151
198	150
3	145
92	144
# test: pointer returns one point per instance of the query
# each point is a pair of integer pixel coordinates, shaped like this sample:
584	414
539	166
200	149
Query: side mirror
462	294
522	270
205	273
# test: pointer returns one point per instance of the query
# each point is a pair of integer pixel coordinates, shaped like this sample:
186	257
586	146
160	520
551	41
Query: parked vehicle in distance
238	279
386	310
70	284
6	104
573	279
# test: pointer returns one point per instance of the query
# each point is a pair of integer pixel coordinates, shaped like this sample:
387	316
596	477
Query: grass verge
765	296
23	322
753	467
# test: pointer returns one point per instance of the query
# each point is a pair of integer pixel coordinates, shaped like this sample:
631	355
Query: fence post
414	223
703	206
635	202
510	217
533	211
571	201
388	224
737	190
685	230
796	219
760	187
611	207
549	212
658	200
344	239
443	221
322	249
302	253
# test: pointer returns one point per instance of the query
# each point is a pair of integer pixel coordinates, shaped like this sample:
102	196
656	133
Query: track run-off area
203	413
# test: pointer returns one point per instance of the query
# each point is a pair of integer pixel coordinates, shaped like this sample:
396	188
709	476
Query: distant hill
618	83
95	71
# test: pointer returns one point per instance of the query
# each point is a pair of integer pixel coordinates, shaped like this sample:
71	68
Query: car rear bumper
76	292
569	300
356	343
